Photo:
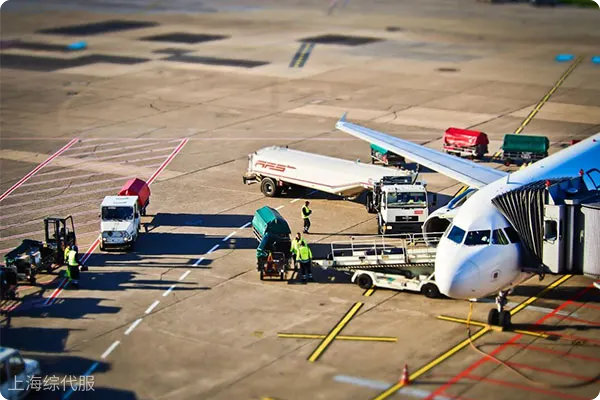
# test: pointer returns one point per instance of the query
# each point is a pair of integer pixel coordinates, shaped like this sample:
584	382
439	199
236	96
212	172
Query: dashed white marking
279	208
295	200
185	274
133	326
229	236
216	246
169	290
199	261
110	349
247	224
152	307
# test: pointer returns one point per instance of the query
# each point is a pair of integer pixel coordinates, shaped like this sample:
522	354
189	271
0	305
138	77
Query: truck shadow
206	220
30	339
559	293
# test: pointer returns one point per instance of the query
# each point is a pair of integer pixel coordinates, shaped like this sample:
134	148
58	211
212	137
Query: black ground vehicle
33	256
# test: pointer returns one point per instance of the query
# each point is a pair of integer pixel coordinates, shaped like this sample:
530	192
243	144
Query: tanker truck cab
120	223
400	202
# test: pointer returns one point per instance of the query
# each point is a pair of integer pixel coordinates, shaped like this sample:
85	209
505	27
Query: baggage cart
465	142
524	148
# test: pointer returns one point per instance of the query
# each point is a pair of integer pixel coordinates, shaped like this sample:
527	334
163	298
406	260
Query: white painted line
68	178
229	236
37	222
247	224
380	385
199	261
110	349
169	290
104	158
295	200
185	274
87	153
48	209
133	326
36	169
37	233
216	246
55	292
152	307
79	185
56	198
279	208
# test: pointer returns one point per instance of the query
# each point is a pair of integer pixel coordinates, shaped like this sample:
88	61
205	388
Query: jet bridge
558	221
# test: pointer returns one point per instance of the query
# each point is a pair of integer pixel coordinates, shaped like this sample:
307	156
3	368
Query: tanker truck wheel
268	187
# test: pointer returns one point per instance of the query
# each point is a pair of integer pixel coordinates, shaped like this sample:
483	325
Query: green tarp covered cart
273	253
384	156
524	148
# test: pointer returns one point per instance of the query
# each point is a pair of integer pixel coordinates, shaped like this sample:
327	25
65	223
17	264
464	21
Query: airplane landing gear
500	316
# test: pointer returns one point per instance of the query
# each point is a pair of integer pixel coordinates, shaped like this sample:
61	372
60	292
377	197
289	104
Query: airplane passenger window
498	237
476	238
456	234
513	236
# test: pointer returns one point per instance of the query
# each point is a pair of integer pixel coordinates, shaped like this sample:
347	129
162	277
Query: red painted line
551	351
549	371
56	291
585	321
524	387
571	337
36	169
498	349
167	161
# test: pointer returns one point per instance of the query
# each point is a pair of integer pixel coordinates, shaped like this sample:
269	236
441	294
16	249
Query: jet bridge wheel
364	281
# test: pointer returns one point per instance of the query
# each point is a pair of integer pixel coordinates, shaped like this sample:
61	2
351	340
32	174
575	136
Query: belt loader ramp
399	262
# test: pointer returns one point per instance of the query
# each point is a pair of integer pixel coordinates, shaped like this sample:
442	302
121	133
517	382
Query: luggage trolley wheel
430	290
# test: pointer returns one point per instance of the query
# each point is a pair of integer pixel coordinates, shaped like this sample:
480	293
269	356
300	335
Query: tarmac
179	94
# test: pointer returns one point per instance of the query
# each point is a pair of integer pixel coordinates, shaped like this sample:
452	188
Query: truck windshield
406	199
117	213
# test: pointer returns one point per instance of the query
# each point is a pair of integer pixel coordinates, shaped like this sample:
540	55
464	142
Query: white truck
393	194
399	262
120	222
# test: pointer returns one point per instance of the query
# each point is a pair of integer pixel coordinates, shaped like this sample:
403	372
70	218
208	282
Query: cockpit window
475	238
456	234
498	237
513	236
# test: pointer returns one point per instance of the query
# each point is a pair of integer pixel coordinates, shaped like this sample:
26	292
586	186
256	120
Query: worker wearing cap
73	267
306	212
305	259
295	246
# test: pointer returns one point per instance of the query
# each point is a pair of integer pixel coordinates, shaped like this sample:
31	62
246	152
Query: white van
120	222
15	372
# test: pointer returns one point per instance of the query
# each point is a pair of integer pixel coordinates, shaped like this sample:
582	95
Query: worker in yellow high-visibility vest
306	212
73	267
296	246
305	259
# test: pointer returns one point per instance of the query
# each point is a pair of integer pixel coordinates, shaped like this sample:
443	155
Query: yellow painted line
481	324
369	292
340	337
541	103
465	342
432	364
334	332
530	300
302	54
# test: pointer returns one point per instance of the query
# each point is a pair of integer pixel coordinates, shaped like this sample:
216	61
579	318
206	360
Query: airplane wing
462	170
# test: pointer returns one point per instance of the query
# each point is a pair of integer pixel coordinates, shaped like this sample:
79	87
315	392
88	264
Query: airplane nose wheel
499	316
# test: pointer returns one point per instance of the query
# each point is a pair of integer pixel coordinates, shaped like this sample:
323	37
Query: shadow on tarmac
234	221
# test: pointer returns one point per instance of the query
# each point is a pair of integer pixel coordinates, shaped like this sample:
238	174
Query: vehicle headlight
127	237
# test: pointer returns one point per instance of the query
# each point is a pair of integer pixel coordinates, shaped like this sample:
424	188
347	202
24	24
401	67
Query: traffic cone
405	379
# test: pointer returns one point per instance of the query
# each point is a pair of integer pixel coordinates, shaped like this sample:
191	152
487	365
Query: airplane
473	268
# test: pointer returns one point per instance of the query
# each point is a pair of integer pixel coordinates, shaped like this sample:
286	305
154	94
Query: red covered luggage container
139	188
463	141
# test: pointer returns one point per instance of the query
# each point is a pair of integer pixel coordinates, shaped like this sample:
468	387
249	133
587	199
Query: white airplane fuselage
466	271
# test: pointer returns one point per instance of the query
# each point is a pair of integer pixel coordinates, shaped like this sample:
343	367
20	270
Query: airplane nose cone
463	283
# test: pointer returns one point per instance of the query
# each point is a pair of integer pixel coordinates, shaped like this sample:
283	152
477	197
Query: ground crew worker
306	212
305	258
295	246
73	267
66	254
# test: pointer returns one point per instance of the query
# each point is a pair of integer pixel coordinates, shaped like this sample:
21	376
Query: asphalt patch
394	29
171	51
447	69
190	38
228	62
98	28
342	40
49	64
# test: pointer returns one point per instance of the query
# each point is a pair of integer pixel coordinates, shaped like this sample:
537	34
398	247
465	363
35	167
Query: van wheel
364	281
268	187
430	290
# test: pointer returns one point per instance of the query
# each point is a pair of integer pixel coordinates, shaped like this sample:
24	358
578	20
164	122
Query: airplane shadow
559	293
